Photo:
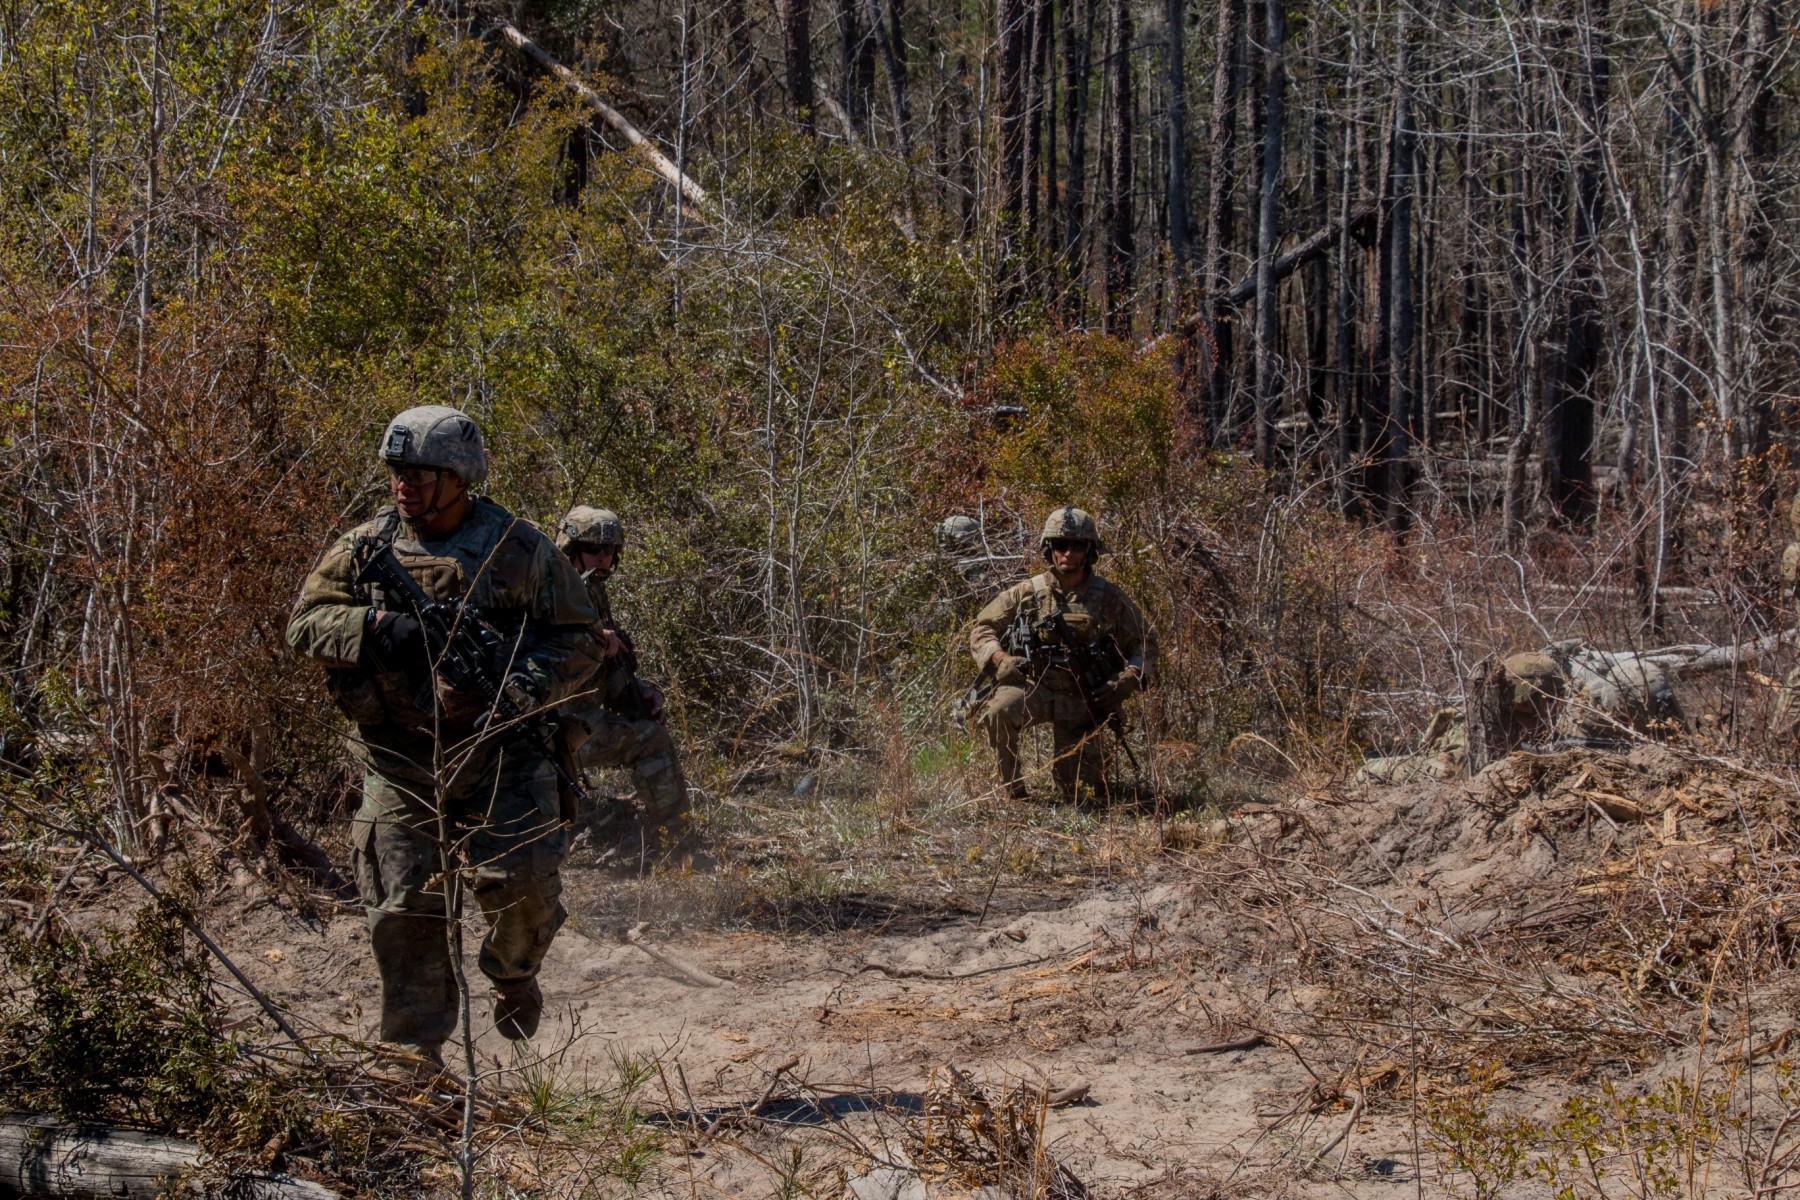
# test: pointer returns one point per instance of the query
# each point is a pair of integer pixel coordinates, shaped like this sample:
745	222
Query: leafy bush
122	1028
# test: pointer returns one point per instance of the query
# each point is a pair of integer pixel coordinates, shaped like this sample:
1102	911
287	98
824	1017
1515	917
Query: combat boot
421	1060
517	1009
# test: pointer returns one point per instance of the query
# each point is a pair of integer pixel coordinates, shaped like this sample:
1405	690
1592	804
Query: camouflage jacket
609	684
1094	609
502	563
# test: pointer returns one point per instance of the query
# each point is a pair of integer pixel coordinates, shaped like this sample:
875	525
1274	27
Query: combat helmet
436	435
959	533
590	526
1529	680
1069	523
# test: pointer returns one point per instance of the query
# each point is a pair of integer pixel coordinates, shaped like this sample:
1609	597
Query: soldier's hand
654	698
395	640
1010	670
610	644
1119	689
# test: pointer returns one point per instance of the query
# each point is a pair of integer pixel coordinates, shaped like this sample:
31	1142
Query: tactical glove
524	691
395	641
1118	690
1010	670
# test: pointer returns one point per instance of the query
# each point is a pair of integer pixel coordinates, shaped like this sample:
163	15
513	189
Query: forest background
1381	337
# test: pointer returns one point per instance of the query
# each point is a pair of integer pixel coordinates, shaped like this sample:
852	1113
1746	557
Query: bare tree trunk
1222	137
1009	113
1078	44
1569	416
1680	254
1755	146
1035	32
796	28
1175	30
1400	297
856	48
1317	278
1268	229
1120	212
894	68
1349	431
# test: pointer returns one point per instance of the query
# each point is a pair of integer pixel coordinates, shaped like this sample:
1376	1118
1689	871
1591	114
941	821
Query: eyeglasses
591	548
1067	544
413	476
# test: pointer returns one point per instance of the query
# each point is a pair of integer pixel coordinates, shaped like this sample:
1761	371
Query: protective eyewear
1067	544
413	476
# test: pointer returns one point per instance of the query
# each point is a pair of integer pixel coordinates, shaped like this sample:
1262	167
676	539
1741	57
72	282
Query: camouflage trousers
507	837
647	749
1078	743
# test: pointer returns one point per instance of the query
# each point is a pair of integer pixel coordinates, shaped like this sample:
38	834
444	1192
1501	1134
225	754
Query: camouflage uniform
1095	611
501	803
598	723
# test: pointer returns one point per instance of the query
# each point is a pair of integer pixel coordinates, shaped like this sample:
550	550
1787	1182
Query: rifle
630	703
1049	642
462	648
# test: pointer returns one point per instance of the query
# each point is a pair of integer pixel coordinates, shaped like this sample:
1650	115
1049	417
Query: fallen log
40	1156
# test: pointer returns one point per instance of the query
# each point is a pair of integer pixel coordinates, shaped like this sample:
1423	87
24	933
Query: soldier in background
1019	642
619	721
1568	695
500	801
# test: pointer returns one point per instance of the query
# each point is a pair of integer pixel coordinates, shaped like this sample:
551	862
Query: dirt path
1078	994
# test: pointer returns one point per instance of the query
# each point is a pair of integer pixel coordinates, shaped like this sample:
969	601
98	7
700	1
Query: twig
688	970
921	973
42	924
1248	1041
792	1061
1355	1115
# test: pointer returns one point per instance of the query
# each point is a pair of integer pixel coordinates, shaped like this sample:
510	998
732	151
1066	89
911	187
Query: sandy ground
1375	939
1073	994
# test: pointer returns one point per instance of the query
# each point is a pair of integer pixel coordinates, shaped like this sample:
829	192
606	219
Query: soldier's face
598	559
417	490
1068	557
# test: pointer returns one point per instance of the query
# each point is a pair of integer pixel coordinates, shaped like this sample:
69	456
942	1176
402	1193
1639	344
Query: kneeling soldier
501	820
1065	649
621	717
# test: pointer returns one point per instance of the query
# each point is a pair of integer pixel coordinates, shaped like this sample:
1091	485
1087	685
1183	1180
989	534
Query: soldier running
499	800
1026	640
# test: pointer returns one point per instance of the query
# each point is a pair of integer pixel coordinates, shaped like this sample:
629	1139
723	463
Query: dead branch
788	1064
635	936
1248	1041
659	162
105	847
921	973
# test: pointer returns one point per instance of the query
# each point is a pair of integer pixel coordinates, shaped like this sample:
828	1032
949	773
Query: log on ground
41	1156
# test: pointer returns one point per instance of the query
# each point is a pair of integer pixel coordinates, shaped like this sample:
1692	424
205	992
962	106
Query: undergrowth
124	1028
